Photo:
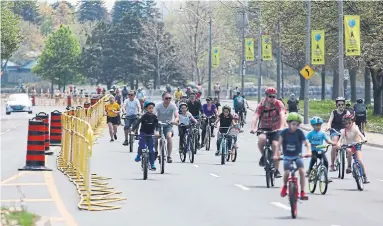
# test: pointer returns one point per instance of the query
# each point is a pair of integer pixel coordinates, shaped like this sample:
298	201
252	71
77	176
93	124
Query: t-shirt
178	94
131	107
195	108
316	138
269	116
165	114
185	119
293	105
292	142
208	112
112	107
149	122
224	122
239	103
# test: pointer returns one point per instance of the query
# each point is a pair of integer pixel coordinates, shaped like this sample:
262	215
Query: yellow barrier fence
78	137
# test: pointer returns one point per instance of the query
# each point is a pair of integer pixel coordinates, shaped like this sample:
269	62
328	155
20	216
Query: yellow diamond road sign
307	72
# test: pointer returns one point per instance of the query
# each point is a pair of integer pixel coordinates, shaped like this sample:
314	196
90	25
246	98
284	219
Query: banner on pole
267	51
215	57
352	35
317	47
249	49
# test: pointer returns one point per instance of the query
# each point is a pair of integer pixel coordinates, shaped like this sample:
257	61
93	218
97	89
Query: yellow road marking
27	200
24	184
14	177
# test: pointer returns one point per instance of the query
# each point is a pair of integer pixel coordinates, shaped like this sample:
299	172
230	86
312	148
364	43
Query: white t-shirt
185	119
131	107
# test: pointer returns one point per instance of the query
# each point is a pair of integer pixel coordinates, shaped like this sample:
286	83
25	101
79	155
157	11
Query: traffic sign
307	72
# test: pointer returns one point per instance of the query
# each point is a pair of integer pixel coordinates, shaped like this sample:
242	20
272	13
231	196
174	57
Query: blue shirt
292	142
239	101
316	138
207	112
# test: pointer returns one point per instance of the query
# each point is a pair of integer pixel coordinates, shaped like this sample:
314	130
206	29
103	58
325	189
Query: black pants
314	158
229	139
182	132
203	127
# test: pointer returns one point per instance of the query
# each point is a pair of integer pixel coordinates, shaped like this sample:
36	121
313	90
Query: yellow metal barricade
74	158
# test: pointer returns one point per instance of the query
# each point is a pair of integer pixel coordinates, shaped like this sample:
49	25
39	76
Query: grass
23	218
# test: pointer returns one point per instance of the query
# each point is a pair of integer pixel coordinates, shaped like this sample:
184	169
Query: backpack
360	109
293	105
240	102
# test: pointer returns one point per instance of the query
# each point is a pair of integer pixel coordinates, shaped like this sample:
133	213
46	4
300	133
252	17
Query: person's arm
118	109
176	115
342	136
255	120
281	114
192	118
136	124
235	103
138	107
200	107
330	121
279	148
308	147
217	121
360	134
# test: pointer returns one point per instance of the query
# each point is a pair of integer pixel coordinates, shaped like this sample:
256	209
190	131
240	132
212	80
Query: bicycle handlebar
353	144
296	158
266	132
167	123
323	146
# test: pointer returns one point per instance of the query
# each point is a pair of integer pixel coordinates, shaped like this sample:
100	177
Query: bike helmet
316	121
348	117
270	90
340	99
226	107
235	116
184	96
359	101
183	104
293	116
208	98
147	103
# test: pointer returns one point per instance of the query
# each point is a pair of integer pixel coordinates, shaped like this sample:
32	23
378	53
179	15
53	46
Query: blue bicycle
357	169
188	144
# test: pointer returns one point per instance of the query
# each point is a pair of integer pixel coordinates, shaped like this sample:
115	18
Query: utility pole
210	49
279	62
308	47
259	55
283	81
243	59
340	43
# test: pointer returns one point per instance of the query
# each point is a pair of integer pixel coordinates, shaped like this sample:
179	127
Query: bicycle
208	133
268	158
340	161
188	144
223	145
357	169
145	158
195	137
241	118
293	188
163	145
131	137
233	150
318	171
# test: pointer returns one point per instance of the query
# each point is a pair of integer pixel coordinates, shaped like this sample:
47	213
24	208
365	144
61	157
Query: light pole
340	43
210	22
259	55
308	47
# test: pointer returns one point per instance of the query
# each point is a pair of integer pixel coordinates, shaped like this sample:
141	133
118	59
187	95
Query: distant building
13	72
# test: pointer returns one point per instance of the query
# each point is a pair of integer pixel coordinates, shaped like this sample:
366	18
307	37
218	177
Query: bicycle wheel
207	138
223	152
183	152
191	151
272	178
131	142
313	180
145	166
293	199
228	156
233	154
268	179
242	120
163	149
195	143
357	175
342	164
323	180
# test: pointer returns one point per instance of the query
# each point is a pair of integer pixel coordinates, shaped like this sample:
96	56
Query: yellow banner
267	51
249	49
317	47
215	57
352	35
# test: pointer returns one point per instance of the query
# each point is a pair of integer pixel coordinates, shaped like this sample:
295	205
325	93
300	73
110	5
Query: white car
19	102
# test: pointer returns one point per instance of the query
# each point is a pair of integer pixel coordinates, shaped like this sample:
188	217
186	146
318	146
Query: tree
28	10
62	14
92	10
46	12
59	59
10	32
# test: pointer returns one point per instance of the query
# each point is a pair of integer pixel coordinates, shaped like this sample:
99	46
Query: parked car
19	102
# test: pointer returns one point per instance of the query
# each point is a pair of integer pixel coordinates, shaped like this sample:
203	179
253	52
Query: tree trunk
109	85
353	72
136	86
323	76
367	86
302	89
335	84
377	82
131	78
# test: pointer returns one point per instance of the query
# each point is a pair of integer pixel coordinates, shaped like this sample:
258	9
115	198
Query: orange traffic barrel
93	101
86	106
35	159
45	117
55	130
69	100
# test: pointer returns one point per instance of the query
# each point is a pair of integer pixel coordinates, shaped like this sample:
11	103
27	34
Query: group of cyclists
284	134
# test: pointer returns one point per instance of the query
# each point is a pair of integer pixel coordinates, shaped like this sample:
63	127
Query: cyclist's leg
150	145
219	139
212	127
286	168
313	160
182	135
301	169
126	129
274	146
203	133
334	138
158	129
169	134
261	144
349	159
110	127
141	145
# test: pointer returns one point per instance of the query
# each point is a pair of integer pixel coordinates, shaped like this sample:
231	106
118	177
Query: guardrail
80	129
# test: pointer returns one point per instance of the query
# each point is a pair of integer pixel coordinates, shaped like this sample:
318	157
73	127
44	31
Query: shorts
113	120
272	136
129	121
360	119
287	163
167	129
334	134
356	148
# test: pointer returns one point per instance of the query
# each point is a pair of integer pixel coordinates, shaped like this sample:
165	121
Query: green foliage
92	10
59	59
10	32
23	218
27	9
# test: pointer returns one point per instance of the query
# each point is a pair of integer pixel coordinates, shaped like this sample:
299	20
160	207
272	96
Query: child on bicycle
236	127
185	118
226	120
149	122
291	140
351	134
316	137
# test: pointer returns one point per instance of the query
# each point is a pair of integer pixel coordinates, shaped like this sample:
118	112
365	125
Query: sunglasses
271	96
168	98
131	95
340	105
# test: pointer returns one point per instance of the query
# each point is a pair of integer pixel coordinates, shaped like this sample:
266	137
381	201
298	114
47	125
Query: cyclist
168	88
141	96
217	104
245	107
124	93
360	110
293	103
336	122
316	137
177	95
351	134
112	110
226	120
166	111
239	104
291	140
269	116
149	123
209	109
237	127
349	108
195	108
184	119
132	109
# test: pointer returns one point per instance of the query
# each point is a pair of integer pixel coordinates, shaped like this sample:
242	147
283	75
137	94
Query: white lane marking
196	166
280	205
242	187
8	130
1	133
213	175
335	225
380	180
15	126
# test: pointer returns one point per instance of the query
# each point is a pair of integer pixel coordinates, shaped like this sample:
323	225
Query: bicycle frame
163	146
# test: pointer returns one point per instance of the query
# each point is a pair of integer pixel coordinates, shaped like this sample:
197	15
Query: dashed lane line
242	187
280	205
196	166
213	175
8	130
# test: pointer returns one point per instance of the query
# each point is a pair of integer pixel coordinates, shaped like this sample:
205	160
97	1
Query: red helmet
348	117
270	90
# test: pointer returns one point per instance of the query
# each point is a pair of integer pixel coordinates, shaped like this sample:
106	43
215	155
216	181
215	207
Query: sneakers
126	143
153	167
262	161
138	158
212	135
115	136
170	160
284	191
277	174
332	168
217	153
304	196
111	140
365	180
